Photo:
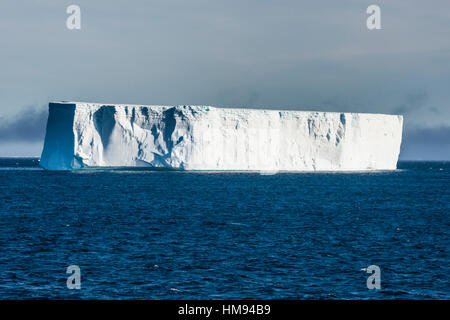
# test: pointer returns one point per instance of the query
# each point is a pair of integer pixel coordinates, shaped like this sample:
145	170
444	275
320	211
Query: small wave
21	169
239	224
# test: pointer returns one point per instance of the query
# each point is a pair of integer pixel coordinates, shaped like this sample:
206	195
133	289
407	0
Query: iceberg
92	135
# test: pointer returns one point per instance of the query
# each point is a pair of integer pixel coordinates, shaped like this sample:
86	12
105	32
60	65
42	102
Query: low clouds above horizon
26	127
310	54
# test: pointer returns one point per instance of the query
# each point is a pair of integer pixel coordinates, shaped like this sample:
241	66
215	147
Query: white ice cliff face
89	135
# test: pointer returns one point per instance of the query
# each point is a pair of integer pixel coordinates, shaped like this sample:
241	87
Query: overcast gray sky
311	55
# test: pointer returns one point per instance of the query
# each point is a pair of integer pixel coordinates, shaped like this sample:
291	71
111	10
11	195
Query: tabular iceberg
90	135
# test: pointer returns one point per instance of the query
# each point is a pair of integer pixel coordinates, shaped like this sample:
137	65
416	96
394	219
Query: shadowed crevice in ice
169	122
104	123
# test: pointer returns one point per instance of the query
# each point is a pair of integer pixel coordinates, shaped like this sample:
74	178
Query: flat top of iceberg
202	107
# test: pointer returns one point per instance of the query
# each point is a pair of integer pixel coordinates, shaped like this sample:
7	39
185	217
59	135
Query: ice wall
86	135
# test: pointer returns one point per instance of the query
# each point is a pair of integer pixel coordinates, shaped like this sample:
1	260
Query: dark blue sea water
178	235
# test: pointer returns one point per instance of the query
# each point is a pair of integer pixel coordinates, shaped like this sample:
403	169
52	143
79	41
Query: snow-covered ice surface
90	135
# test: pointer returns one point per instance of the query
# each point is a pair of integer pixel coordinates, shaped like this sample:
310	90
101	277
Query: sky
305	55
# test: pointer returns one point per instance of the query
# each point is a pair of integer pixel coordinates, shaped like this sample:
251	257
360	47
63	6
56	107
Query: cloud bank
26	127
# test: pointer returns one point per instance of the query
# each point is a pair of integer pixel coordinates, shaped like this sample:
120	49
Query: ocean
139	234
